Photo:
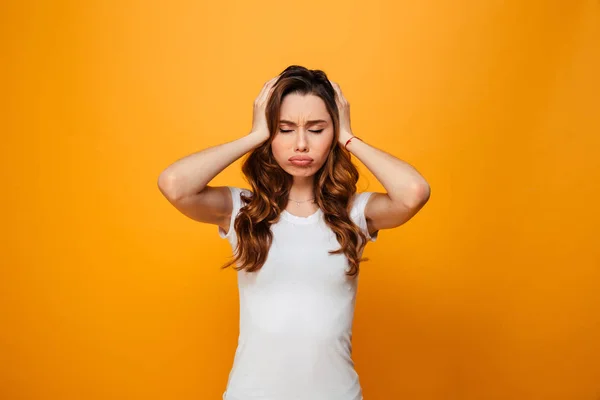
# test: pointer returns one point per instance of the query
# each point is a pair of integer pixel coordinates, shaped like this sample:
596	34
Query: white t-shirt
296	313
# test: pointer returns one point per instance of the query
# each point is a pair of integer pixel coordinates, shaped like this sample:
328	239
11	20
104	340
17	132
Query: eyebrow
312	122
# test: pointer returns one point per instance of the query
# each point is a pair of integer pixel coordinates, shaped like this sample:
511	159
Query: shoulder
359	201
237	193
358	213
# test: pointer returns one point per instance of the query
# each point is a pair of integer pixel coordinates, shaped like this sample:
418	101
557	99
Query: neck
302	188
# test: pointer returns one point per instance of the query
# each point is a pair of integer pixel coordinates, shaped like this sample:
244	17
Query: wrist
350	140
257	138
344	136
260	134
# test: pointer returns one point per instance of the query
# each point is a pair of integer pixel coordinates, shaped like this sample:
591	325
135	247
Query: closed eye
290	130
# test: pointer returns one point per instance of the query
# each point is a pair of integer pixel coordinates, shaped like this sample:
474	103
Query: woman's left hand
344	110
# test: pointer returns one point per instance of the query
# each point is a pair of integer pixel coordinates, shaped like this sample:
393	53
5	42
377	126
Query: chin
303	174
300	171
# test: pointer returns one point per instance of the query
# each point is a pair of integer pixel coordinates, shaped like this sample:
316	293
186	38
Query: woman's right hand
259	119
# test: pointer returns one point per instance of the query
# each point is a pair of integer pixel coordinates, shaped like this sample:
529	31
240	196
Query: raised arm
407	190
185	182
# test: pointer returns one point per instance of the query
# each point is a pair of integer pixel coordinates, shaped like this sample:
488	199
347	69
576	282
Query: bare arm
185	182
407	190
189	175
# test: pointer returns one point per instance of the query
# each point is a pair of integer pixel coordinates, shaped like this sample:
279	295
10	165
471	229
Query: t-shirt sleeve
237	204
357	213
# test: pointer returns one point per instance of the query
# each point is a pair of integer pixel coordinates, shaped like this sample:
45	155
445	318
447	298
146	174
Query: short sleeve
237	205
357	213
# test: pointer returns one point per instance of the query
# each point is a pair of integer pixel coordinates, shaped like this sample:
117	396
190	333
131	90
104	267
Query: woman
297	235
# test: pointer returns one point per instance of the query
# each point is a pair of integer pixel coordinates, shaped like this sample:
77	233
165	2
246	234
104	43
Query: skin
185	182
407	191
301	137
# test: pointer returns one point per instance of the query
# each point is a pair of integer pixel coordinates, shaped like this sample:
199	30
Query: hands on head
259	120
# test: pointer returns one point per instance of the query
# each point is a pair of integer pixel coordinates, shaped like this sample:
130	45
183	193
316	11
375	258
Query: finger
337	89
271	85
338	93
267	89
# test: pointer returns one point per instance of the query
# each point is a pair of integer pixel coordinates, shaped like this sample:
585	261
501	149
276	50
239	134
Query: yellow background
491	292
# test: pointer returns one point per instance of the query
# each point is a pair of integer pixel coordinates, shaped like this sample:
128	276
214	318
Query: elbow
425	192
420	196
167	184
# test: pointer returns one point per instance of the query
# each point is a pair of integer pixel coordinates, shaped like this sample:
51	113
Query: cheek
277	149
323	145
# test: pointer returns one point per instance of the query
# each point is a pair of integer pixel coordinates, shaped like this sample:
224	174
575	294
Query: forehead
298	108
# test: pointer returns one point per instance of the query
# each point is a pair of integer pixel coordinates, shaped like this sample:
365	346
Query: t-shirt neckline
301	220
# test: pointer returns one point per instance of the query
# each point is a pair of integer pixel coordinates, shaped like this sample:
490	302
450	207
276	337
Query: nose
301	142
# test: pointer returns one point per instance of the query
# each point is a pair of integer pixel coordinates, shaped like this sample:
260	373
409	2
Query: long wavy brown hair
334	183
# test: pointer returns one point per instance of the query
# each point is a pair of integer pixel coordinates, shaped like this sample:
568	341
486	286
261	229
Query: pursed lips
300	158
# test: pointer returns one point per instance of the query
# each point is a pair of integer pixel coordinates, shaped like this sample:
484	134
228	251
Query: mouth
301	161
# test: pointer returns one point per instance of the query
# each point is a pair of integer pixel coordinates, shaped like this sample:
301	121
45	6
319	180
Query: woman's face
305	132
